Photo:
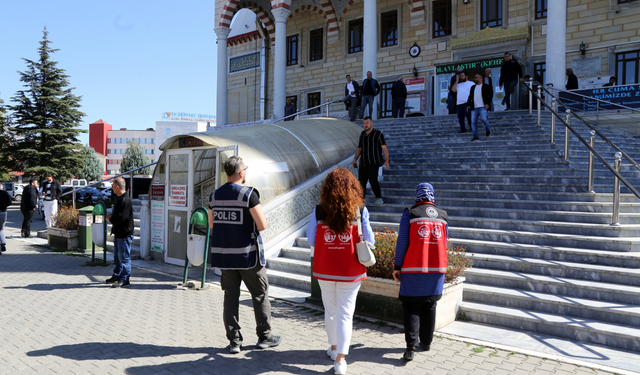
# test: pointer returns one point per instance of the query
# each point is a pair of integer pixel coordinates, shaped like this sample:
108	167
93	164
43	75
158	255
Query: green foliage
6	138
92	170
134	157
66	218
46	119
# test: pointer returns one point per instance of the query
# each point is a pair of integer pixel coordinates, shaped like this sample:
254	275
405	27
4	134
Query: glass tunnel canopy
279	156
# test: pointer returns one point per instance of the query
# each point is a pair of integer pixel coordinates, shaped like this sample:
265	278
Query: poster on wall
178	195
157	226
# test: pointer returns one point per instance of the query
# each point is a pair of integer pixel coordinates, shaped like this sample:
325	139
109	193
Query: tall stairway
546	258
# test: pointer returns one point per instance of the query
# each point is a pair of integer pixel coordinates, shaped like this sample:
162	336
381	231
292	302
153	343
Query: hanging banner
157	226
628	96
415	84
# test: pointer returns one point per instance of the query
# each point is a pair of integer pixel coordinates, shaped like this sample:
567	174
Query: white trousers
339	300
50	209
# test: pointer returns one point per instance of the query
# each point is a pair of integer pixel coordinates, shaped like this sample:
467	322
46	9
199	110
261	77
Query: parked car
106	192
40	207
89	195
8	187
17	192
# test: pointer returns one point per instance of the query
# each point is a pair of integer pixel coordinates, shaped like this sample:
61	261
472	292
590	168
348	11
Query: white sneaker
340	368
333	354
379	201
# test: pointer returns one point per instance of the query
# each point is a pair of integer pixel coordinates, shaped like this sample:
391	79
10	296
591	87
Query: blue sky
129	60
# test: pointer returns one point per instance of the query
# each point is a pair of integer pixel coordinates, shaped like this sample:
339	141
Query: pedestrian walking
509	74
398	98
370	88
290	110
371	148
333	237
462	87
51	190
478	103
352	98
5	201
28	206
572	80
121	220
612	82
236	219
487	80
420	266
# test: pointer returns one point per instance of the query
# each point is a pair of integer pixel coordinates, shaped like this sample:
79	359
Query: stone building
304	48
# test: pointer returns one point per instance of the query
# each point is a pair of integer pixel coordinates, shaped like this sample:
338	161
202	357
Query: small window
292	50
441	18
356	28
389	21
314	99
315	44
539	70
108	140
491	13
625	1
541	9
627	67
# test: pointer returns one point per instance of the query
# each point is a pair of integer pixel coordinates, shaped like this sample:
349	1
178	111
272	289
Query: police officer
236	218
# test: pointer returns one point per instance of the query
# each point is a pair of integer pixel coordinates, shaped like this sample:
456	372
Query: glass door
223	153
180	197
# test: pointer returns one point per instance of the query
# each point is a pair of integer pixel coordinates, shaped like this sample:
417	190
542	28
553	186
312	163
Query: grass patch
74	254
478	349
97	263
494	354
468	344
463	317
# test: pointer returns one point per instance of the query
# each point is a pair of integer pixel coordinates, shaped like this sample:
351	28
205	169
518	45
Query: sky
129	60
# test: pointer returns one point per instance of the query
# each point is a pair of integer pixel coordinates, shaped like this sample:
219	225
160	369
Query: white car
17	192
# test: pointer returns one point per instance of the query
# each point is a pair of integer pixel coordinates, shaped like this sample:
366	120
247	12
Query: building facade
117	144
303	49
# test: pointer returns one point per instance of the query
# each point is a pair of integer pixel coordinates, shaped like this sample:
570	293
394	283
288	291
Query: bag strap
359	225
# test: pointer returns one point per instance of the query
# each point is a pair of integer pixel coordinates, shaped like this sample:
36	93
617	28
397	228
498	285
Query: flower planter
63	239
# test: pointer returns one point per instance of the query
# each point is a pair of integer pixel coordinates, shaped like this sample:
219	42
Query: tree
5	140
134	157
46	119
92	169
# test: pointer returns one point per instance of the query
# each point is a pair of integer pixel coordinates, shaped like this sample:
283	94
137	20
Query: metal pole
615	218
591	143
74	199
327	107
539	103
553	120
530	84
566	135
131	185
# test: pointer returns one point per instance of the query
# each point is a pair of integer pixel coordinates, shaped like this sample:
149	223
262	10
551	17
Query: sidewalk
60	317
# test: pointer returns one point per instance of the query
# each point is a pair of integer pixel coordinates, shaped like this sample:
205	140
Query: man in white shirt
351	96
478	103
462	87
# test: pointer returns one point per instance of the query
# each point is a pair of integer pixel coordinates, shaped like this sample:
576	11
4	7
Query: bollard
539	103
615	218
327	107
592	144
566	135
553	120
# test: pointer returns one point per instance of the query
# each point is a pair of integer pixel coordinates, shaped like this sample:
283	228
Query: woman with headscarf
420	266
333	235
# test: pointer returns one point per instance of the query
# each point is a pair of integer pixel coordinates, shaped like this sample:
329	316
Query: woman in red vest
420	266
333	234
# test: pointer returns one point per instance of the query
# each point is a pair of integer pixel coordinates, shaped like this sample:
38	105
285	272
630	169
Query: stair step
297	266
294	252
289	280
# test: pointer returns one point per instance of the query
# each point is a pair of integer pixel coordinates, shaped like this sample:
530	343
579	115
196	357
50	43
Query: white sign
178	195
85	221
157	226
184	116
415	84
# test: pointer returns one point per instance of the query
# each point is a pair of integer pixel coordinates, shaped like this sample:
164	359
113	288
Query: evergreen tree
5	140
92	169
134	157
46	119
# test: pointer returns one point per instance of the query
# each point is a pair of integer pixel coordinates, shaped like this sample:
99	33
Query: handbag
364	249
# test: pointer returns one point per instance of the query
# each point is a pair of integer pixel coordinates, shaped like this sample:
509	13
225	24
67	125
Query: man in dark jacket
572	80
290	110
28	206
5	201
121	220
370	88
478	102
398	97
489	81
352	97
509	74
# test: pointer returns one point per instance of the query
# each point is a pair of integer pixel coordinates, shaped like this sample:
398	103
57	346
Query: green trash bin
85	218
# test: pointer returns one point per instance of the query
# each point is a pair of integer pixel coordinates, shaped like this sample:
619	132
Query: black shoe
475	139
3	248
235	348
121	284
409	355
112	280
271	342
424	347
488	133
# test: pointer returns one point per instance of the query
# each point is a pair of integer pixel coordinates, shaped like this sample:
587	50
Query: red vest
427	252
335	256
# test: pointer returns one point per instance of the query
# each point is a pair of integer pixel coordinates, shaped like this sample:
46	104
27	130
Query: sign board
417	101
628	96
178	195
240	63
415	84
190	142
157	226
85	221
185	116
480	64
157	192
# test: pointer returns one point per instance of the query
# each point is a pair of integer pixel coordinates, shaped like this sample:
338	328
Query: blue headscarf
424	192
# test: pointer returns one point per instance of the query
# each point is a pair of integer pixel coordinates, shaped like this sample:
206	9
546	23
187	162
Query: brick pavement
59	318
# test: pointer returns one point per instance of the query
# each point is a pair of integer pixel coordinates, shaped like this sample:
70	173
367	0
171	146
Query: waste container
85	219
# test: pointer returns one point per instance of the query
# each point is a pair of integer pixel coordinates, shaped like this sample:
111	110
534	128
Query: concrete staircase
546	258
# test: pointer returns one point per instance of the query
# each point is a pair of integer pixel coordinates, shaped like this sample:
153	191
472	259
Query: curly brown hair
340	198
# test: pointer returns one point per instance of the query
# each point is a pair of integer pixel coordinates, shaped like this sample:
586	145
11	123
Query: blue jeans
122	258
366	99
482	113
3	219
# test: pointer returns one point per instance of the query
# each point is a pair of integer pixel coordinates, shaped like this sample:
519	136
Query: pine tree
46	119
134	157
92	169
6	139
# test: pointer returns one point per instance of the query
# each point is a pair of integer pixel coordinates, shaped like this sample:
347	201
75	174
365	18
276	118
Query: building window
294	99
625	1
441	18
315	44
541	9
108	151
356	28
538	71
292	50
389	21
314	99
386	109
491	13
627	67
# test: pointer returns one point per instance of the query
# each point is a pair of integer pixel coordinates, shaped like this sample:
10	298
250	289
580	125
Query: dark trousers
397	108
353	108
26	222
509	87
256	281
462	113
419	320
369	173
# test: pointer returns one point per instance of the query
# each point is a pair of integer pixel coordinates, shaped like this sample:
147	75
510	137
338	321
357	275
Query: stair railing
325	105
615	170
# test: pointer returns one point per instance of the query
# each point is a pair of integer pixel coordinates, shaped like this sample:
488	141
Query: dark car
89	195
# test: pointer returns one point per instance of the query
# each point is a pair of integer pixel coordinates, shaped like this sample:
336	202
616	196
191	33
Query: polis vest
335	256
427	251
235	241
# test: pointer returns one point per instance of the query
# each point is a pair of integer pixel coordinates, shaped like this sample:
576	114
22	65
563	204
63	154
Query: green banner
480	64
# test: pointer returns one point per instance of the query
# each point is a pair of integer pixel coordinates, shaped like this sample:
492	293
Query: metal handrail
591	98
327	104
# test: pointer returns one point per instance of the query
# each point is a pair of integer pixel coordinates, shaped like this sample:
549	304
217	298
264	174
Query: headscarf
424	192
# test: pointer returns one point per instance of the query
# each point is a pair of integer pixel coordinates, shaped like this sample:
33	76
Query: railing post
539	103
74	198
131	185
530	84
566	135
615	218
591	143
553	120
327	107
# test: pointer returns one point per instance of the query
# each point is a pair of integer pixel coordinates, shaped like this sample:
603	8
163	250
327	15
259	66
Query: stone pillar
223	71
280	16
557	43
370	46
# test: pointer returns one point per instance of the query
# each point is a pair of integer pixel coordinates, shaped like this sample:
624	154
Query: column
280	16
370	45
223	71
557	43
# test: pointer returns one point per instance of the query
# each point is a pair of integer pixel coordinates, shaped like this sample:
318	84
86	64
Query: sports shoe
271	342
379	201
409	355
235	348
333	354
121	284
488	133
112	280
475	139
340	368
